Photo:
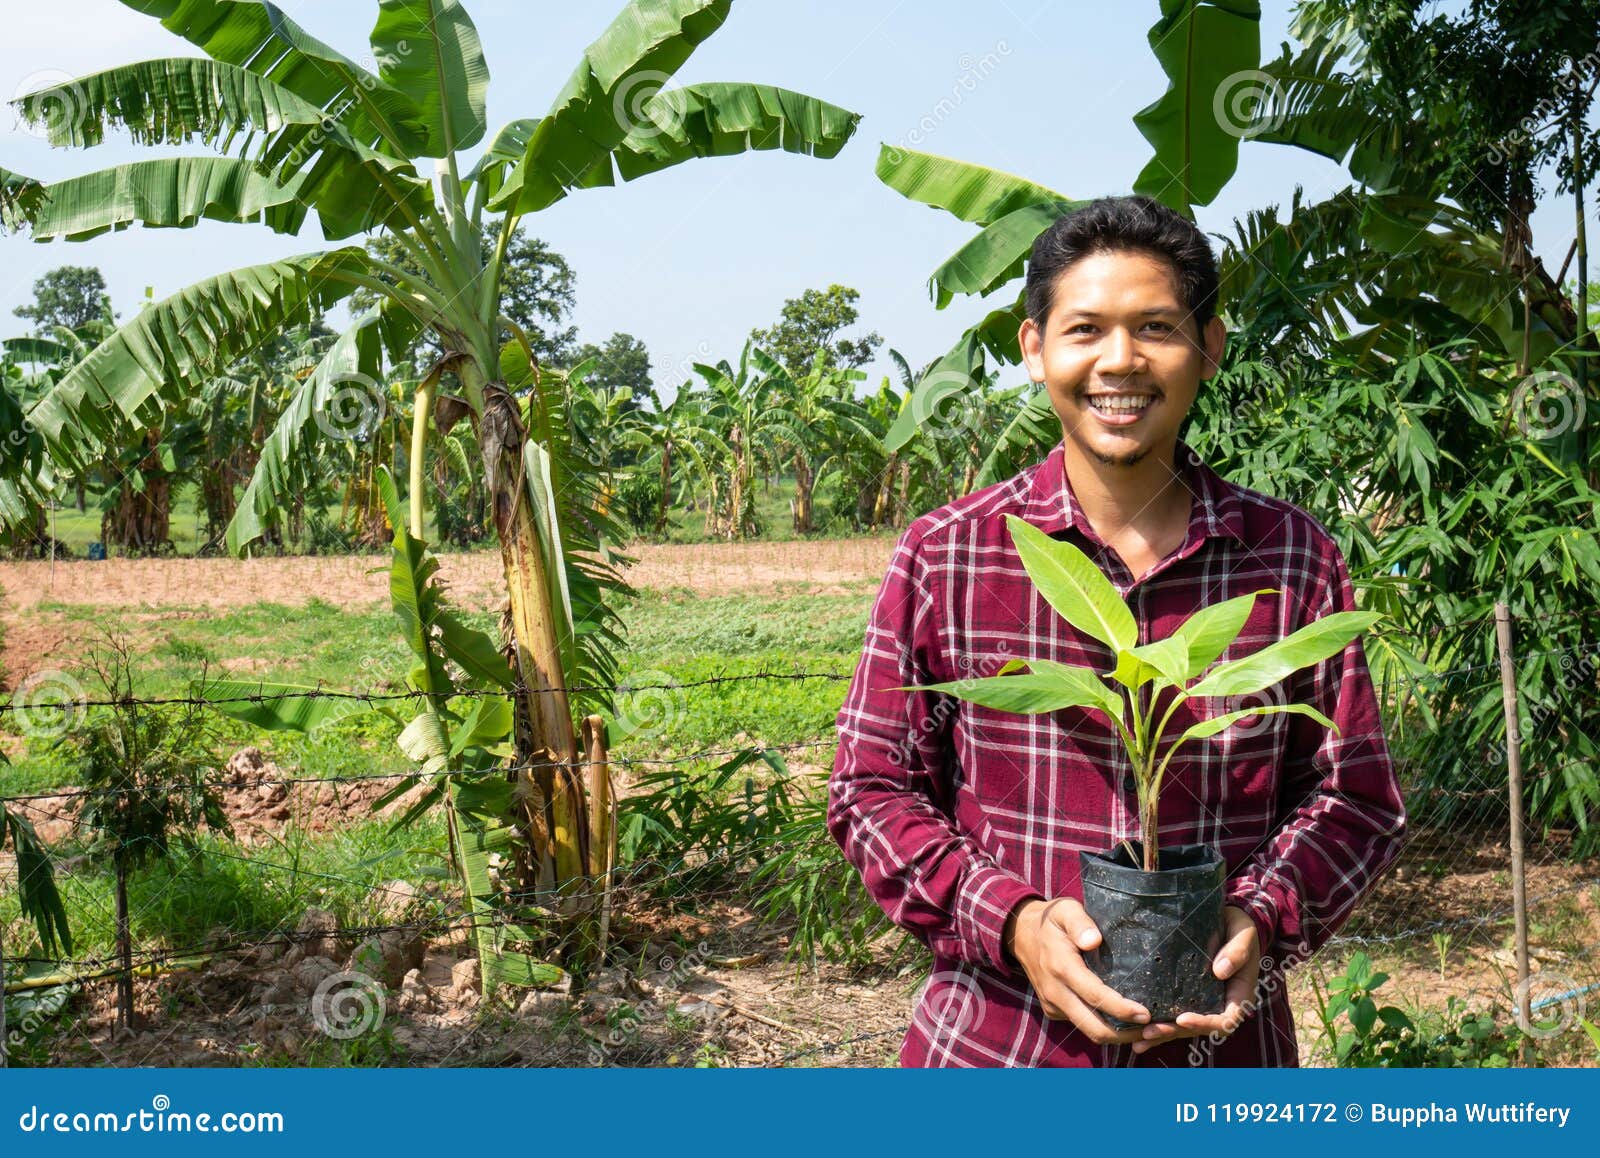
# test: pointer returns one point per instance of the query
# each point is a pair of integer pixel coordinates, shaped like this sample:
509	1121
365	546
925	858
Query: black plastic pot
1160	931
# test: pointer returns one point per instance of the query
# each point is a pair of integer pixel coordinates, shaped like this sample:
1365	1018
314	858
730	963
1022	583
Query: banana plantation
359	620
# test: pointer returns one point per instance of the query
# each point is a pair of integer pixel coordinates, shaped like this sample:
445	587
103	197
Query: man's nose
1118	352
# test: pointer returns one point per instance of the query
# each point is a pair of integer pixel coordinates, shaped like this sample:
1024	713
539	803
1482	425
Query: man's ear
1031	339
1215	342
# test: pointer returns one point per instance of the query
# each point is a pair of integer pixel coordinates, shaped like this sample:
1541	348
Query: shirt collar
1051	505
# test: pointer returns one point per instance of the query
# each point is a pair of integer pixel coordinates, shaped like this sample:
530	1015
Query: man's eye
1163	325
1080	326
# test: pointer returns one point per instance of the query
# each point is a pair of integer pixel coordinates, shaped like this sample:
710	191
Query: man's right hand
1048	939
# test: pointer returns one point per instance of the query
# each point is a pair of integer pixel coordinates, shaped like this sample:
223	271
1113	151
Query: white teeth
1121	403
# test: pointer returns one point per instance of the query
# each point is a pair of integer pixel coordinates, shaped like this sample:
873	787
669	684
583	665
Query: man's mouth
1119	409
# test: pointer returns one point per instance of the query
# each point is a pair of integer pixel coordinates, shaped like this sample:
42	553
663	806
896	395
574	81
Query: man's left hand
1238	963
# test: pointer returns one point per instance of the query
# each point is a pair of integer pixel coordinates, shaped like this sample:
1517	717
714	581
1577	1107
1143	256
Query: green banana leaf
179	100
969	192
1072	584
1312	644
166	193
274	706
724	120
1208	632
1210	51
167	350
430	48
618	76
353	365
260	37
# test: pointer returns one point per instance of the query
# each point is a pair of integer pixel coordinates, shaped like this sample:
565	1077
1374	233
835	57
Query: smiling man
966	822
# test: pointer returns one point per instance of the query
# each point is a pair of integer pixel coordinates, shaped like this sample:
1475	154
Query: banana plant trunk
803	484
553	801
666	487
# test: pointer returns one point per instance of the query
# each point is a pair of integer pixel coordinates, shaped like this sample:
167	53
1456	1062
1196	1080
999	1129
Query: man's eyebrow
1150	313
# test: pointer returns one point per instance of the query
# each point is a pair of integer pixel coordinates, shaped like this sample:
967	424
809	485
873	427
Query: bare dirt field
816	567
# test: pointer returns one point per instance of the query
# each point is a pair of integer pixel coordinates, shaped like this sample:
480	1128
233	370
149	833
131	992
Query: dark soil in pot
1160	931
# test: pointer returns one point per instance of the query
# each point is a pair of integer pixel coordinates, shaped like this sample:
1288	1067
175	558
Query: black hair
1125	224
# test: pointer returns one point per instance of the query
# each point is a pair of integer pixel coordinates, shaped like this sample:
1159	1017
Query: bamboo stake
1519	888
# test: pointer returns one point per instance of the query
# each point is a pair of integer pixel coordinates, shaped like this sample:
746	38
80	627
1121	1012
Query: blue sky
691	259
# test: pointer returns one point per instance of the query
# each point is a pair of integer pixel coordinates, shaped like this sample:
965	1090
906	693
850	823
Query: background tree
812	324
622	363
70	296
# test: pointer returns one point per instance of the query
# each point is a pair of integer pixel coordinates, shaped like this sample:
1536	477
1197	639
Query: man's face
1120	355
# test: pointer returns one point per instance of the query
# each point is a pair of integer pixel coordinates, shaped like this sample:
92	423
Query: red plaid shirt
955	813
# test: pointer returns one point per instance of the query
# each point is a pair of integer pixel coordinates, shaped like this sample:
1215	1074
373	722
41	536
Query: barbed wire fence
1445	905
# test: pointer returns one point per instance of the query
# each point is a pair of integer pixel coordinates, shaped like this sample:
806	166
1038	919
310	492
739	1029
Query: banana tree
302	129
747	409
667	438
826	419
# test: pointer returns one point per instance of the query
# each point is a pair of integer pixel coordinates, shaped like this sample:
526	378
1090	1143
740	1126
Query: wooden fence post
602	818
1519	887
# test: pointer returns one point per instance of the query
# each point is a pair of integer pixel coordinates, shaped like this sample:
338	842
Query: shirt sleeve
1342	813
890	772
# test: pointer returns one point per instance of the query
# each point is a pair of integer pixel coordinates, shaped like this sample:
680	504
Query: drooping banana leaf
169	192
349	373
19	196
1210	51
261	38
36	883
1027	438
617	77
184	99
276	707
997	255
971	193
723	120
164	351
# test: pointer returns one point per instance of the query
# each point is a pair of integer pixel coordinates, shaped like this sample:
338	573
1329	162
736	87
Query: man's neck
1119	500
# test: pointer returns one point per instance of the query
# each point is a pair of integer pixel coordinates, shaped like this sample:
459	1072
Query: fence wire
1406	912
